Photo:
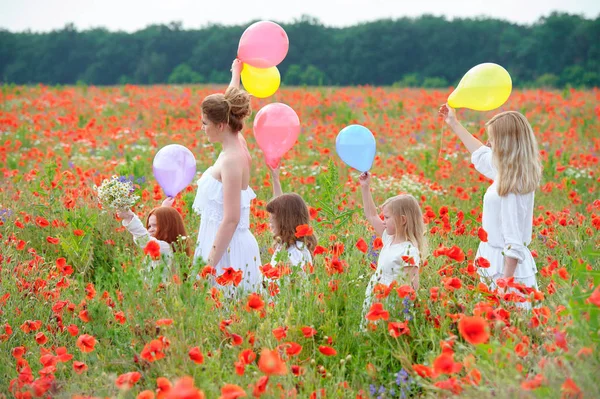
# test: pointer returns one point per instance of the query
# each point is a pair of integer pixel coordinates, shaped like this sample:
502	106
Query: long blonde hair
414	230
514	153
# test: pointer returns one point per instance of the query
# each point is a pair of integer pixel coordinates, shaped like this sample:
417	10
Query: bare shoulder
232	164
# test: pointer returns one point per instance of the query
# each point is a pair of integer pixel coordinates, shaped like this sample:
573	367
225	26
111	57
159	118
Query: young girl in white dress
512	161
225	241
164	225
286	213
402	231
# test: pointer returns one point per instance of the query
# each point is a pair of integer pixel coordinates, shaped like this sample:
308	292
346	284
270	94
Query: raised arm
231	174
236	71
369	204
140	234
275	181
467	138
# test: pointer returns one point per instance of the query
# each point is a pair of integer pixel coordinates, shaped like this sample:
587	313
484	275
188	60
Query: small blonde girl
402	231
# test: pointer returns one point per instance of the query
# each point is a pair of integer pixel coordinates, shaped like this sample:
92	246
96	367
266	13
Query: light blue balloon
355	145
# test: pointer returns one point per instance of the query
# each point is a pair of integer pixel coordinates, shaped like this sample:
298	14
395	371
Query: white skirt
524	273
241	254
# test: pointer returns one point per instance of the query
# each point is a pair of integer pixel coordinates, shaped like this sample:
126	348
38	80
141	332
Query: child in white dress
404	244
287	212
164	225
512	161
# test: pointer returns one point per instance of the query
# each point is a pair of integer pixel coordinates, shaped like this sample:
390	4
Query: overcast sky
131	15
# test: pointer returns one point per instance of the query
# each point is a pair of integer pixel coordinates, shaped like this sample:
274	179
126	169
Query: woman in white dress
512	161
224	195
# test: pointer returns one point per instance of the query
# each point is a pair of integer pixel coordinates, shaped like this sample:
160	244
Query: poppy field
78	317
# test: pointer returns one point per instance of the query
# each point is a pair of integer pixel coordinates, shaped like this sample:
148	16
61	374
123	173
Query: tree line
559	50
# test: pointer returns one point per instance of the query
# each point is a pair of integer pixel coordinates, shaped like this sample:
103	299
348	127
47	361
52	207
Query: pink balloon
276	129
263	44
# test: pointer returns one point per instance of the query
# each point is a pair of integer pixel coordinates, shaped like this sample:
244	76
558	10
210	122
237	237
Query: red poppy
127	380
320	250
84	316
595	297
255	302
456	253
52	240
29	326
409	260
397	329
570	390
362	245
445	364
196	355
208	271
423	371
474	329
183	389
303	230
308	331
232	391
451	384
163	387
230	276
377	312
292	348
377	244
261	386
482	234
152	248
279	333
271	363
153	350
86	343
533	383
337	249
41	222
73	330
164	322
482	263
147	394
79	367
41	338
90	291
327	350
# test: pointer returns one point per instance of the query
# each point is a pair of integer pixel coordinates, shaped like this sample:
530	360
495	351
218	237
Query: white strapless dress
242	253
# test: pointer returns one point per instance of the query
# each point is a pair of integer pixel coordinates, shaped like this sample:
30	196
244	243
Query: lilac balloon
174	168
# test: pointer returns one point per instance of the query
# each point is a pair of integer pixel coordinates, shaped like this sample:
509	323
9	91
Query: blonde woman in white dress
512	161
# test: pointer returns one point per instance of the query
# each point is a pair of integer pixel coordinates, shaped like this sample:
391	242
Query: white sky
131	15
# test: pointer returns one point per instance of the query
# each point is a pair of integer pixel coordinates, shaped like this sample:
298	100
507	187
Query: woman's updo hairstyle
230	108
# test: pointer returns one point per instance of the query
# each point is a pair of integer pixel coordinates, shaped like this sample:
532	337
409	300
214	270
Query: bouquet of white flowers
117	193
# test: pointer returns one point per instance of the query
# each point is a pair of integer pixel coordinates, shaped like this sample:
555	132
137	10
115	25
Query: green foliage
331	199
184	74
426	50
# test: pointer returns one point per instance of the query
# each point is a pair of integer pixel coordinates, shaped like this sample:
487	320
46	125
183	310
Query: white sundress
390	268
242	252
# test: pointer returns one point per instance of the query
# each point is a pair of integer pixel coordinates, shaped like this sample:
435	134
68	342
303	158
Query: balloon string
441	139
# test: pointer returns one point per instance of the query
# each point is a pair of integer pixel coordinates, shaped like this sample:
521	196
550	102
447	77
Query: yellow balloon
260	82
483	88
